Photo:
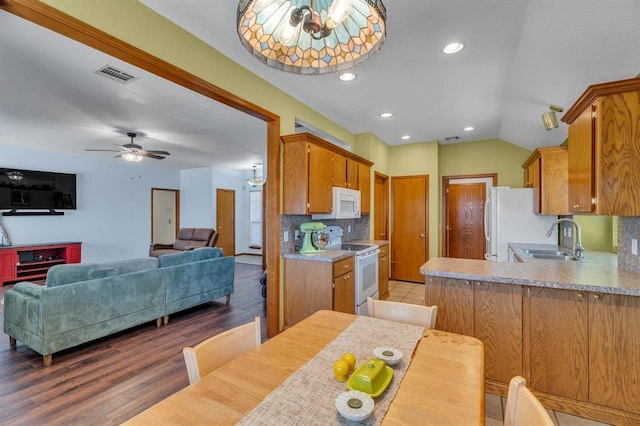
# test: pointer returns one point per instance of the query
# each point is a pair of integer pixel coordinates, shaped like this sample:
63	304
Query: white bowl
354	405
388	354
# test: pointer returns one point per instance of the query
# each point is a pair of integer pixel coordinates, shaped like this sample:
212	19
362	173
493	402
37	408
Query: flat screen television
36	190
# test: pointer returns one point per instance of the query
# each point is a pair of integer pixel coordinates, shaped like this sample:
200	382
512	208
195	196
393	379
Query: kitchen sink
550	254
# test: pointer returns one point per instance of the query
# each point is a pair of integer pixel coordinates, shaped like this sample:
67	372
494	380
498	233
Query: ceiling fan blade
158	152
131	146
102	150
147	154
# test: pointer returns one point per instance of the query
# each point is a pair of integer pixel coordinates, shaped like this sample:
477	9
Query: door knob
422	236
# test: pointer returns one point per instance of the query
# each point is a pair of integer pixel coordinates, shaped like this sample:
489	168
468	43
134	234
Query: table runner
308	395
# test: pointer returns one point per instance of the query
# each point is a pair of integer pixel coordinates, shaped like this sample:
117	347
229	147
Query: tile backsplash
628	229
290	223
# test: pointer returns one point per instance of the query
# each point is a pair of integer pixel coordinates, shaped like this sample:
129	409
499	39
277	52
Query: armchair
187	239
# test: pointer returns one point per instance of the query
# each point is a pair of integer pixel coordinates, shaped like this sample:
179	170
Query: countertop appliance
366	267
509	218
311	231
345	204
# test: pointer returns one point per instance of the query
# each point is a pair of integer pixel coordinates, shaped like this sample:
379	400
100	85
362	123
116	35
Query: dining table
443	383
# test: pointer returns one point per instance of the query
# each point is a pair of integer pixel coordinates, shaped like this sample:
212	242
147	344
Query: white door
164	206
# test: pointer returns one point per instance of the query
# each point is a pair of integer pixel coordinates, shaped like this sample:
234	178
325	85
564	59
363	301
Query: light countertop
331	255
599	272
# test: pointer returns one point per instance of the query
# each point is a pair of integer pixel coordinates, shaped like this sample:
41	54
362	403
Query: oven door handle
367	256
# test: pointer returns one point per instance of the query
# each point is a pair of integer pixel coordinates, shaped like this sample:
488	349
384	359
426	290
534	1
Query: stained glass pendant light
312	36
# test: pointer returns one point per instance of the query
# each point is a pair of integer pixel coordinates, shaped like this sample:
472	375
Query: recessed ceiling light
405	137
347	76
453	48
468	128
386	115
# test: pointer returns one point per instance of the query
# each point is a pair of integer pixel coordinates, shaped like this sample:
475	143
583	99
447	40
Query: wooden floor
112	379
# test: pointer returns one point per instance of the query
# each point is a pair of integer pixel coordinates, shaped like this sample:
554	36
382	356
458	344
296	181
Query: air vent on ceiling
115	74
451	138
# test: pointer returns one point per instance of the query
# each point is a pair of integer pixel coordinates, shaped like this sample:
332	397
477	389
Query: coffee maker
312	231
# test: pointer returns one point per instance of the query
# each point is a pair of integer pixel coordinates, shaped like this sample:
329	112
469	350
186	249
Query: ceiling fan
133	152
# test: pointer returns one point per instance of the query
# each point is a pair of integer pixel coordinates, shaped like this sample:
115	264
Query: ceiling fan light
131	157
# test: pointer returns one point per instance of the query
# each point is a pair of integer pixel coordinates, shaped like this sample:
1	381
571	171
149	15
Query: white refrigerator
509	218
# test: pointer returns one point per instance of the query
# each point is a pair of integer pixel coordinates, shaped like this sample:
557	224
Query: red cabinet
31	262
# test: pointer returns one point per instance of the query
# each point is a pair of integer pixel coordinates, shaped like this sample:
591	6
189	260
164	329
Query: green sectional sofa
87	301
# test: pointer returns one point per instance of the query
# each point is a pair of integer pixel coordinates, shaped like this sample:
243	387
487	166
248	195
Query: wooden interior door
409	235
465	221
381	207
165	207
226	220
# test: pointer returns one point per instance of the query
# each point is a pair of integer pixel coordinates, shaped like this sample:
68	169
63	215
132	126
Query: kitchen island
569	327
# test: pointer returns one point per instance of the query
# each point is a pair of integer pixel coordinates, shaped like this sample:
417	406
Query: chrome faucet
577	246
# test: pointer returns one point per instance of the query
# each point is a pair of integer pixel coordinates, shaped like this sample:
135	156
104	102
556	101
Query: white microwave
346	204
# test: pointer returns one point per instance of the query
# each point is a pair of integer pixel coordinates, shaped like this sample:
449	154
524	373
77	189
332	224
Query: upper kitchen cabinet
546	172
312	166
604	149
345	172
364	185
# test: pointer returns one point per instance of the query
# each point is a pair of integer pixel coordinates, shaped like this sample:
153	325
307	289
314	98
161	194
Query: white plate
388	354
354	405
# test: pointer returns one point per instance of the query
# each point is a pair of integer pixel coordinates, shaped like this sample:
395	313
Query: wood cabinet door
307	289
557	341
339	164
364	185
344	297
554	182
383	276
351	174
582	133
454	299
498	324
614	348
320	179
8	260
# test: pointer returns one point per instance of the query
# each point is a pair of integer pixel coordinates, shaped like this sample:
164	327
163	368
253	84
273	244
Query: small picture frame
20	198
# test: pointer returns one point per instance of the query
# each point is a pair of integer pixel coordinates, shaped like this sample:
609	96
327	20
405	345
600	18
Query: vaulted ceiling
520	56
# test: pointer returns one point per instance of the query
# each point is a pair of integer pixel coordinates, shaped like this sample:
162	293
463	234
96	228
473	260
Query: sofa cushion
73	273
131	265
189	256
183	240
202	234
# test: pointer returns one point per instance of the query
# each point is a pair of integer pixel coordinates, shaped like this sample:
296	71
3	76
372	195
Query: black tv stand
15	212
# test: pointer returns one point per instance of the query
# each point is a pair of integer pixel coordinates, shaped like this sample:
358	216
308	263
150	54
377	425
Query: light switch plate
285	236
634	246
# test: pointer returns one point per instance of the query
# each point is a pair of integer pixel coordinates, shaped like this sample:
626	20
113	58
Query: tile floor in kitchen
400	291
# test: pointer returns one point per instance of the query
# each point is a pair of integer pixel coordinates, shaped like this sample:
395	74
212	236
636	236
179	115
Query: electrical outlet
285	236
296	234
569	229
634	246
348	228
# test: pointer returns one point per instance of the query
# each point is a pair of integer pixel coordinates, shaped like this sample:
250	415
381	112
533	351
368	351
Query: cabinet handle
580	295
596	296
346	277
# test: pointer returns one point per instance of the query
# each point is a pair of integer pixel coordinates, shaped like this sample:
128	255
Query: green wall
487	156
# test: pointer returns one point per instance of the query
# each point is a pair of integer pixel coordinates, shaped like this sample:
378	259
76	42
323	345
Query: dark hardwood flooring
112	379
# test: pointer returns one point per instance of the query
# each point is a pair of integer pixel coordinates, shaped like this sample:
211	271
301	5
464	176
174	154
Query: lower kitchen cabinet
557	339
312	285
383	272
491	312
578	350
614	347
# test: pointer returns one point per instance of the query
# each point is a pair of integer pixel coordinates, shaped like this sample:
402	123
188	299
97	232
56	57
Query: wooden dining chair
424	316
523	408
217	350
